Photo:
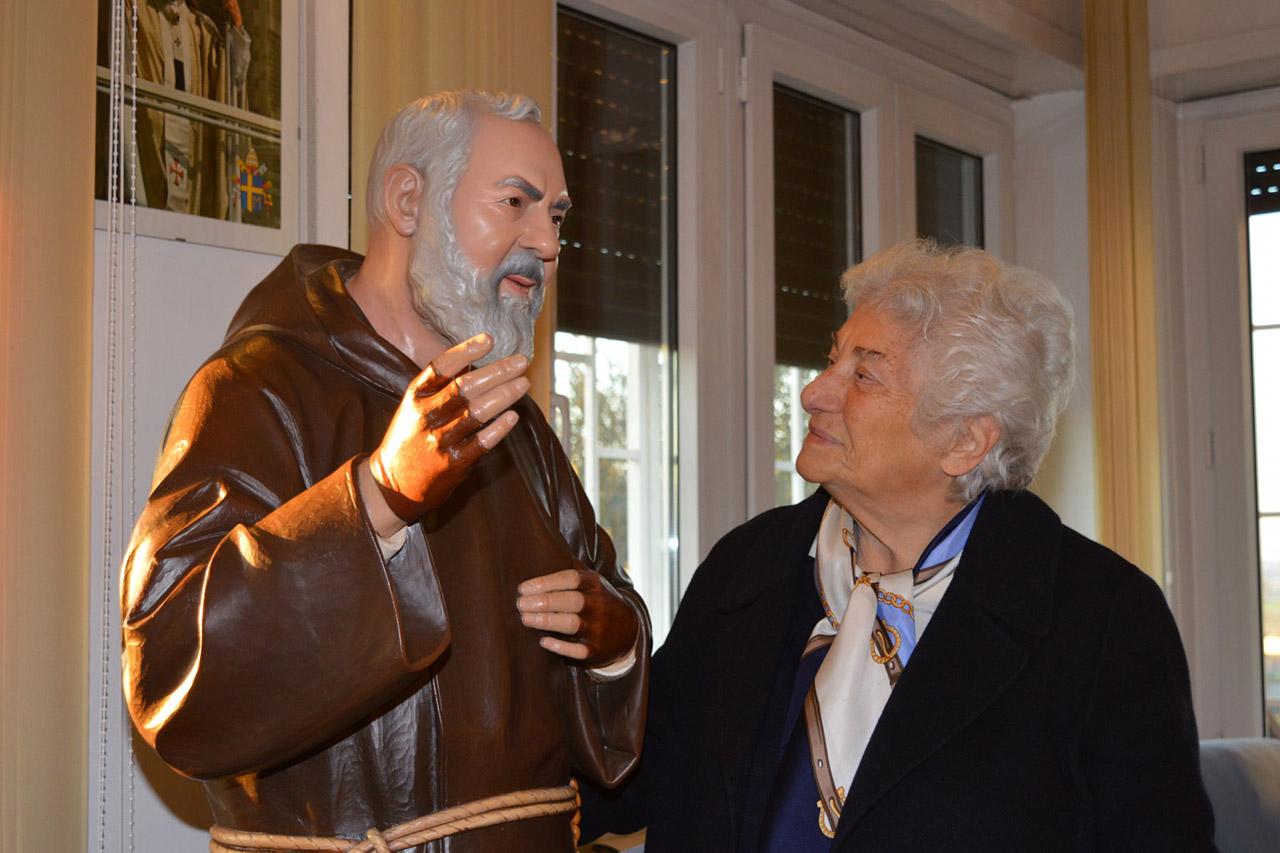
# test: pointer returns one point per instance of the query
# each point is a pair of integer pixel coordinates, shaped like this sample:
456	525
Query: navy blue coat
1047	707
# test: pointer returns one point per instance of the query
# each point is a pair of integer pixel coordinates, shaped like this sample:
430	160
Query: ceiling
1022	48
1019	48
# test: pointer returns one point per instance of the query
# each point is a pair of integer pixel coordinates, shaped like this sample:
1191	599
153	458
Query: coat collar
1010	563
975	646
1012	529
761	573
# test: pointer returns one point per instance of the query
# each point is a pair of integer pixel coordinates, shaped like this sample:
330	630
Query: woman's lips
814	432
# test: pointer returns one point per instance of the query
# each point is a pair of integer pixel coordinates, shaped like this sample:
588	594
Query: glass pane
1264	269
784	405
1262	203
612	506
576	344
1266	418
948	194
817	222
616	125
1262	182
782	488
790	423
785	402
572	379
615	302
618	396
1269	551
611	391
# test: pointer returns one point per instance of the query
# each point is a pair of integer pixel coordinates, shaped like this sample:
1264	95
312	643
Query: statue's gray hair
433	134
993	339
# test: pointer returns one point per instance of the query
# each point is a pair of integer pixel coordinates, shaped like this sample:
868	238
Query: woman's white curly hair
993	339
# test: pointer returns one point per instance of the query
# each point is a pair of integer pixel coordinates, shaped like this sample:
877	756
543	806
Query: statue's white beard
449	293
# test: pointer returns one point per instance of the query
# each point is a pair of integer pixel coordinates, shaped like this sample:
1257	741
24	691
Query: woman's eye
514	202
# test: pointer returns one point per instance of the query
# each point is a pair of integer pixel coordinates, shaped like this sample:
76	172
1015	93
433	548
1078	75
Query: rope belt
504	808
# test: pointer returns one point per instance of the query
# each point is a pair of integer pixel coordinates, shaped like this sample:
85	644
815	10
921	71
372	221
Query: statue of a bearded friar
367	598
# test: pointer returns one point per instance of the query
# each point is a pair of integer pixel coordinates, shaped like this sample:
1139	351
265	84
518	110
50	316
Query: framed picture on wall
215	116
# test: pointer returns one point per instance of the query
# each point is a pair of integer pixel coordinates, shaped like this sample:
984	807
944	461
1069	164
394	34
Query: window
1262	204
1223	522
817	235
844	132
615	369
948	194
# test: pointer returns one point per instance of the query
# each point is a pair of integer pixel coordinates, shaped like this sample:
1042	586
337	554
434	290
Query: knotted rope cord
491	811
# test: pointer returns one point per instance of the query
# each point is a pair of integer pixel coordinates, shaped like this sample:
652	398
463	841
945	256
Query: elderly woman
921	656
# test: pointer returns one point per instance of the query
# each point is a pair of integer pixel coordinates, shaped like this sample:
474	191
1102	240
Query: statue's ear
402	191
972	443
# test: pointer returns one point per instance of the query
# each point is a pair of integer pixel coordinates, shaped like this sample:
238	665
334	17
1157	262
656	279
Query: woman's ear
402	190
972	443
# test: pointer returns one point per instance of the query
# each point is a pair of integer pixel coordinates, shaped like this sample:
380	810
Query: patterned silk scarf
870	627
859	650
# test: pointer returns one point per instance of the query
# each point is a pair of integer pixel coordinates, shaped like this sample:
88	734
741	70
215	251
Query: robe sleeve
608	715
259	616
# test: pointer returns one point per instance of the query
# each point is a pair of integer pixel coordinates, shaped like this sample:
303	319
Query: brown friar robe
269	649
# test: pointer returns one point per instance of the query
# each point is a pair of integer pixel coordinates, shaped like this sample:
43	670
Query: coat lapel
762	612
973	649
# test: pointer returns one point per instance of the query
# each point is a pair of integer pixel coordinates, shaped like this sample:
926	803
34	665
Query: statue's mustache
523	263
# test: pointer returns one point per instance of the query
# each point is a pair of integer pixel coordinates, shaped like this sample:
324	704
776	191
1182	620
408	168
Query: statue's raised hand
440	429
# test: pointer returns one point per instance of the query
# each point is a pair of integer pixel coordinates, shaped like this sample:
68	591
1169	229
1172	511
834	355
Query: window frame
1210	500
986	132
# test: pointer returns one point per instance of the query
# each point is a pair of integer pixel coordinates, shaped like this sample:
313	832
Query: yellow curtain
1122	291
47	53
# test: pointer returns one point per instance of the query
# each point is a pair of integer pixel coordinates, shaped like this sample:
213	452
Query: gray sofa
1242	776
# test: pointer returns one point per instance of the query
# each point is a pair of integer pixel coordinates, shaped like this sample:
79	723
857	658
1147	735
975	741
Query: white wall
1052	236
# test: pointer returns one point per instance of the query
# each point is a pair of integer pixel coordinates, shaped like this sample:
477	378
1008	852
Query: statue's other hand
598	624
440	429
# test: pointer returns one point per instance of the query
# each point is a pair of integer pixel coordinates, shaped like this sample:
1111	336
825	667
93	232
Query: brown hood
304	301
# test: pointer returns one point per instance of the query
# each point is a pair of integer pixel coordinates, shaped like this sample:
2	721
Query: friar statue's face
485	269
